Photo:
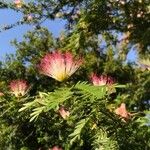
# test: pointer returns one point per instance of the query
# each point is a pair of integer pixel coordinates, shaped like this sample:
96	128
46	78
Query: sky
9	17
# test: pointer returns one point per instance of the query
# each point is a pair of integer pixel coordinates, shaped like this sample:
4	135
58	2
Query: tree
102	105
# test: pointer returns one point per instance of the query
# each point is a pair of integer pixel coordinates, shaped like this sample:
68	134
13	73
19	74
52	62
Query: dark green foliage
102	32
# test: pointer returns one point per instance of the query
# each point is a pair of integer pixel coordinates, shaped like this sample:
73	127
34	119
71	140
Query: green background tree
102	33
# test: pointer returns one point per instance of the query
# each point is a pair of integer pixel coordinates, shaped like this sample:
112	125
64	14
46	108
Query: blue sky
9	17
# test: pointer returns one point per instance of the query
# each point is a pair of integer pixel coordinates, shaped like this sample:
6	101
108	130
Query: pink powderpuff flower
63	113
56	148
101	80
59	66
122	111
1	94
29	17
18	3
19	87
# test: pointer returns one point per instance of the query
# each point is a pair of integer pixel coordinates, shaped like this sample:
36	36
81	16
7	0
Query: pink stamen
101	80
63	113
19	87
59	66
122	111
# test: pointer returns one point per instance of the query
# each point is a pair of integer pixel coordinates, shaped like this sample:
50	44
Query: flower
101	80
63	113
18	3
19	87
59	15
122	112
58	65
1	94
29	17
56	148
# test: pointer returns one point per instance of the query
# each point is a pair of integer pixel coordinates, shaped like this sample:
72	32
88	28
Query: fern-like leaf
78	129
102	142
47	101
87	90
53	99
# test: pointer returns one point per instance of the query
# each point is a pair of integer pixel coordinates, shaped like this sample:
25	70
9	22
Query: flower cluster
19	87
56	148
63	113
122	111
18	3
29	17
1	94
59	66
101	80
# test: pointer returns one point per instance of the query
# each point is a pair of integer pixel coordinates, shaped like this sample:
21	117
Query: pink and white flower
63	113
122	111
19	87
18	3
29	17
56	148
59	66
101	80
1	94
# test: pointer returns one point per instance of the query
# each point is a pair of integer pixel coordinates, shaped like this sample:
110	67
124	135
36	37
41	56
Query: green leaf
27	106
103	142
36	113
119	86
78	129
53	99
88	90
47	101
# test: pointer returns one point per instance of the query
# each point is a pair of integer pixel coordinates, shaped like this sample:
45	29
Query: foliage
102	32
